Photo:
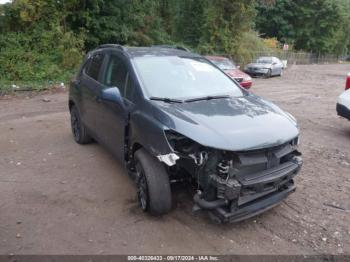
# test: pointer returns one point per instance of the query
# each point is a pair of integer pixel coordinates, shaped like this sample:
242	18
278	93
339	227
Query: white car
343	104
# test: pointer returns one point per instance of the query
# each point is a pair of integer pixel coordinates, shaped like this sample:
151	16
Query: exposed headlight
186	147
180	143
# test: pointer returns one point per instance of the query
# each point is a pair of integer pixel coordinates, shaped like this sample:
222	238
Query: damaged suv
171	115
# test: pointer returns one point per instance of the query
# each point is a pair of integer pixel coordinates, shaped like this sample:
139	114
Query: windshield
183	77
264	60
224	64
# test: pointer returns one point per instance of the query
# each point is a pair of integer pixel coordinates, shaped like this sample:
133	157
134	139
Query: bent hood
235	124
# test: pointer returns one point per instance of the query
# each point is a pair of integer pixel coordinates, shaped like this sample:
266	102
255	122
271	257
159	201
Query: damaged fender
148	132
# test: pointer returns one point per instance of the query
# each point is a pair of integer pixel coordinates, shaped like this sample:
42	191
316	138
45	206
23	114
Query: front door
112	117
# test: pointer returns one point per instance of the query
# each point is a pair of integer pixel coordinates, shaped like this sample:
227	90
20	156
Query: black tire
153	185
268	74
79	131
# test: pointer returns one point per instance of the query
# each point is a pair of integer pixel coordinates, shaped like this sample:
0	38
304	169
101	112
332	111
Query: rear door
91	86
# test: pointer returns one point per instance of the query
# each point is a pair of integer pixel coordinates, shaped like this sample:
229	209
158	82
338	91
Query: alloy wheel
142	191
75	123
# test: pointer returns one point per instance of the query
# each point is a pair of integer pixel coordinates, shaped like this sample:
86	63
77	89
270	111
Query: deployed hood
235	124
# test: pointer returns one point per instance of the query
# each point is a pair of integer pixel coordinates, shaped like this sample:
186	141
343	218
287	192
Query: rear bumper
343	111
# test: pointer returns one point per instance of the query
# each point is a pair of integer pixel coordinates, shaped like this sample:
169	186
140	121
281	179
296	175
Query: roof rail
111	46
173	47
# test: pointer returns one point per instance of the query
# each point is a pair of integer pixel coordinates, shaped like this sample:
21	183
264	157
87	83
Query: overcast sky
4	1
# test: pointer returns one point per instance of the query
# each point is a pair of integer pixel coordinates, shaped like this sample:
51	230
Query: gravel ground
57	197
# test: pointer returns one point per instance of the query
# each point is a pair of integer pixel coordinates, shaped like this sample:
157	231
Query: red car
232	70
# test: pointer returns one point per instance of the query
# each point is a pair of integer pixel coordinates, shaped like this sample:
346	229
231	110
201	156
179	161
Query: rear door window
94	68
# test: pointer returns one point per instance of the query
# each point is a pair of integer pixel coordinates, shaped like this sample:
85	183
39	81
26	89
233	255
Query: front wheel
153	185
268	74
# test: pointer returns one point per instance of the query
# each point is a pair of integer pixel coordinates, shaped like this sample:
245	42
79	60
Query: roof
158	51
212	57
149	51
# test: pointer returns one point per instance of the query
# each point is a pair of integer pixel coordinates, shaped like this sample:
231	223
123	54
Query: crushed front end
234	186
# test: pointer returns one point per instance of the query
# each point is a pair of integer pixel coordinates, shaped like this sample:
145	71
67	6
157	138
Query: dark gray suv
170	115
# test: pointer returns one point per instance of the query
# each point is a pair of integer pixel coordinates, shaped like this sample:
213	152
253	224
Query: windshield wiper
166	99
206	98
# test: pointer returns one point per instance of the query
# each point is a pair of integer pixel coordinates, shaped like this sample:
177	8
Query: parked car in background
170	116
343	104
265	66
229	67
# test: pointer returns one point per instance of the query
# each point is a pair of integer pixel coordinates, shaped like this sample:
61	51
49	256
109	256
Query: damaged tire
79	131
153	185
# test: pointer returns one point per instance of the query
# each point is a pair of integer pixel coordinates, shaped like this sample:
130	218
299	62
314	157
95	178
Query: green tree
35	45
226	22
134	22
319	26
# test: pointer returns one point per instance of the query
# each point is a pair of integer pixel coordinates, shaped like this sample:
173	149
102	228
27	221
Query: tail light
347	84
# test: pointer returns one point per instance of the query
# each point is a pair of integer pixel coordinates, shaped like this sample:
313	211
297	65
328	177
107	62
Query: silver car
265	66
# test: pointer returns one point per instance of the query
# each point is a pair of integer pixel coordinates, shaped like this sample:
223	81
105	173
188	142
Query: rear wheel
79	131
153	185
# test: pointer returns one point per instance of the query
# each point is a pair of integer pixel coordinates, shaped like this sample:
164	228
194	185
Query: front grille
264	171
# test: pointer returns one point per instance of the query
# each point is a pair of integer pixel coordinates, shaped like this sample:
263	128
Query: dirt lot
57	197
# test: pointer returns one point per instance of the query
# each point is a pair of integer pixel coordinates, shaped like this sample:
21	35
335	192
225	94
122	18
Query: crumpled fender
149	133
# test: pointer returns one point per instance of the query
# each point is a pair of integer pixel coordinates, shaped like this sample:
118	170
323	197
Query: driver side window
115	74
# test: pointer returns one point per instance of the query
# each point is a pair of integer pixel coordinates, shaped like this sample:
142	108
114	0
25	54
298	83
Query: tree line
46	39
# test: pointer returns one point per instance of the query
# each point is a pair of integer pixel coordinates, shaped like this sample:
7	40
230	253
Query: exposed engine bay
233	186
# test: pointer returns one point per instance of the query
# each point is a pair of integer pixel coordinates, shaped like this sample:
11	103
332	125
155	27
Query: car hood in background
258	65
234	124
236	73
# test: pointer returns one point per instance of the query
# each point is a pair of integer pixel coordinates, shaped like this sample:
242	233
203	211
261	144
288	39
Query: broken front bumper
258	192
253	208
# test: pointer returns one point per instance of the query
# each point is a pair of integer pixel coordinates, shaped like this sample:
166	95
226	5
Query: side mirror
111	94
274	63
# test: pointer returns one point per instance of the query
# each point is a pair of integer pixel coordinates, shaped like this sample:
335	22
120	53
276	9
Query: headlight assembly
180	143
